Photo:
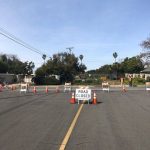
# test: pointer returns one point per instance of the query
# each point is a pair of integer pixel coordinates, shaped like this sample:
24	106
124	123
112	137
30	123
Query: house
143	74
28	78
146	72
55	76
7	78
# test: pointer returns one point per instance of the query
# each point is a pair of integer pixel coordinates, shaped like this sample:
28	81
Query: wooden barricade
105	86
67	87
24	87
147	84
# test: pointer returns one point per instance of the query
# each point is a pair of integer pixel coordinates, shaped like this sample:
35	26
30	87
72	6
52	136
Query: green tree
44	57
106	69
115	55
132	65
145	56
12	64
128	65
3	67
146	43
81	58
28	67
64	64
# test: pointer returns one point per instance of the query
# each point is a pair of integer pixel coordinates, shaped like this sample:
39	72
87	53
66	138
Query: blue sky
95	28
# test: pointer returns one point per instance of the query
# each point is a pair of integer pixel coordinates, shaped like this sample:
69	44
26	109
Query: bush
87	82
78	82
45	81
148	79
126	81
138	81
14	80
52	81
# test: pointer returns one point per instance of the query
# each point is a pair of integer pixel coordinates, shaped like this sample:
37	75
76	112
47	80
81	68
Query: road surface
120	121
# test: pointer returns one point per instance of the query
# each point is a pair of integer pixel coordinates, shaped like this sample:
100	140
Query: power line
18	41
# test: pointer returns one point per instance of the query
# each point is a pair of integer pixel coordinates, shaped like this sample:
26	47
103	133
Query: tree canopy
64	64
128	65
81	58
115	55
11	64
146	43
145	56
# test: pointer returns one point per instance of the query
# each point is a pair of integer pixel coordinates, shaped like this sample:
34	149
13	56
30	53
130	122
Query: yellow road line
67	136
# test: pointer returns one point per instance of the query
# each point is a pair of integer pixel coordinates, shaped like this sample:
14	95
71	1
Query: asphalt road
120	121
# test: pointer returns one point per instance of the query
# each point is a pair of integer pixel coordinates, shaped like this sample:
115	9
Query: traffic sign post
83	95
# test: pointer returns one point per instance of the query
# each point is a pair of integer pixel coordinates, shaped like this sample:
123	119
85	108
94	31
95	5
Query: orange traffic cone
72	100
34	89
124	89
46	90
94	99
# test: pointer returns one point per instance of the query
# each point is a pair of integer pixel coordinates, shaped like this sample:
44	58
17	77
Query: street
120	121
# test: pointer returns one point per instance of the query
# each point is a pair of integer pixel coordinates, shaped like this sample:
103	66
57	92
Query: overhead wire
24	44
21	42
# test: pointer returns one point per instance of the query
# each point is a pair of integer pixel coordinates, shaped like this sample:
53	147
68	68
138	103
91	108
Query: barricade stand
83	94
67	87
147	85
105	86
24	88
72	100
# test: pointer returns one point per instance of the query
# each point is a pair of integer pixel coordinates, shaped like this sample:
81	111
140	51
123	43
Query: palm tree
44	57
81	58
115	55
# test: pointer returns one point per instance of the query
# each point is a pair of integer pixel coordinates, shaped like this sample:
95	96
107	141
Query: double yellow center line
67	136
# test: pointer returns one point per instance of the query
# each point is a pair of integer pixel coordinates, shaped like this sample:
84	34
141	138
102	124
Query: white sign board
83	94
67	87
105	86
24	88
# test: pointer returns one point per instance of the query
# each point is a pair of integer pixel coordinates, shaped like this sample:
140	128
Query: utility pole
70	49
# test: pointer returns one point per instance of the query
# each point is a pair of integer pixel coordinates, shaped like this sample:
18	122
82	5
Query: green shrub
135	81
45	81
148	79
87	82
126	81
138	81
78	82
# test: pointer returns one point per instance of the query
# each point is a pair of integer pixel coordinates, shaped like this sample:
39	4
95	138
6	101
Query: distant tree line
65	65
11	64
128	65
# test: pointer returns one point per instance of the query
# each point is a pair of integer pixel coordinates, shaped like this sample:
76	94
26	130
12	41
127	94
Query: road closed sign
83	94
